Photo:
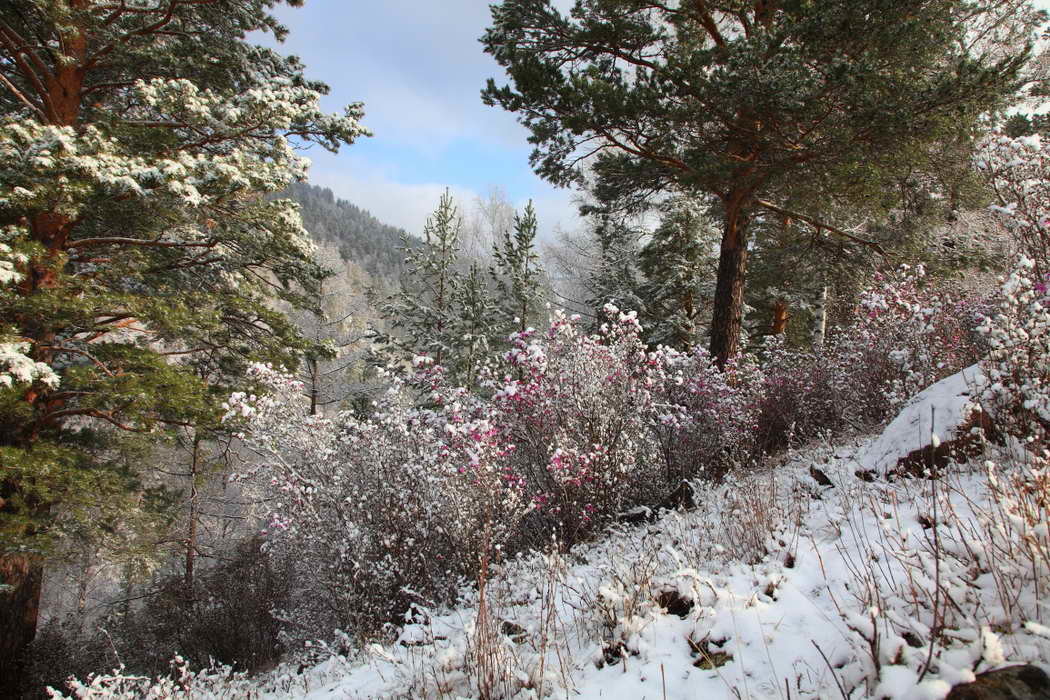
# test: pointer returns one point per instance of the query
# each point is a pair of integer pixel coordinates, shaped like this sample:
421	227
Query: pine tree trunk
729	286
780	317
191	535
23	574
19	609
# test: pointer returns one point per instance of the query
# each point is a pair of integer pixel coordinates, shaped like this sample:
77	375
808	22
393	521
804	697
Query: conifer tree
137	254
477	327
614	280
677	267
517	273
422	315
756	104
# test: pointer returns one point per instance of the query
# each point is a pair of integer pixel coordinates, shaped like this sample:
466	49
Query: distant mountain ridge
360	237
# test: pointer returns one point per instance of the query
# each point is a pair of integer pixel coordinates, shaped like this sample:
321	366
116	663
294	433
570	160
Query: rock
708	656
1013	683
820	477
514	632
946	410
675	603
637	516
682	497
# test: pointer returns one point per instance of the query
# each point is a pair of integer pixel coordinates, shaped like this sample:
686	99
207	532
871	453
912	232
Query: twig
830	668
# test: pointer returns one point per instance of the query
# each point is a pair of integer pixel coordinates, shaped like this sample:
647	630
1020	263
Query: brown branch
92	413
14	44
169	14
116	240
821	226
708	23
21	97
94	360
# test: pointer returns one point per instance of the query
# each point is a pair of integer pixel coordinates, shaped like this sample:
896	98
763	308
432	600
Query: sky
419	68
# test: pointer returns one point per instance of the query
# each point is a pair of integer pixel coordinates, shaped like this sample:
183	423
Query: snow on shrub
569	432
577	409
706	418
384	512
1016	387
1018	171
908	333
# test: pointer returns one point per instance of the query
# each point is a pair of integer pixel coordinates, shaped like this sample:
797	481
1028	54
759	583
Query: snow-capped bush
577	409
385	512
181	684
570	432
909	332
706	418
1016	387
1018	171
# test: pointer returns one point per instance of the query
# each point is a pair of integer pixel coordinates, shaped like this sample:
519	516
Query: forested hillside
737	386
357	235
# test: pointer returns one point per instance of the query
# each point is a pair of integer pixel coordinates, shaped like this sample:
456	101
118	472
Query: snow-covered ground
774	586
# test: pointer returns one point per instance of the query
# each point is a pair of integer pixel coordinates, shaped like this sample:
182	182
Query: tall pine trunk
22	574
778	326
729	285
19	609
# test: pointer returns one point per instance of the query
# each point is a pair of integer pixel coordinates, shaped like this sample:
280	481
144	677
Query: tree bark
22	574
19	609
780	317
729	286
191	535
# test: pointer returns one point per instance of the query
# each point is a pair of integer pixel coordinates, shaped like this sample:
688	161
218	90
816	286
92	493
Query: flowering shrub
908	334
577	408
568	433
1016	383
905	334
706	419
383	512
1018	171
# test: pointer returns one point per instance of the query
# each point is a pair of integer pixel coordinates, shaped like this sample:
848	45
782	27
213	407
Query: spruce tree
517	273
138	257
677	266
423	314
614	280
477	327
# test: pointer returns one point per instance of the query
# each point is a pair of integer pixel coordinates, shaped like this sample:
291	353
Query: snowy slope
791	582
795	590
938	410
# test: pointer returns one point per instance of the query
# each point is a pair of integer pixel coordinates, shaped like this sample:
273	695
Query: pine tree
677	266
477	329
517	273
138	257
614	280
756	104
422	315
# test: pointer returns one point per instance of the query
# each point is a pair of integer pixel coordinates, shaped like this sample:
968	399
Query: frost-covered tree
677	265
517	273
759	104
138	254
614	278
335	371
422	314
1018	172
476	326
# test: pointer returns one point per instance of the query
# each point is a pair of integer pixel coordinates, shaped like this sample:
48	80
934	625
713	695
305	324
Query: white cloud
407	205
